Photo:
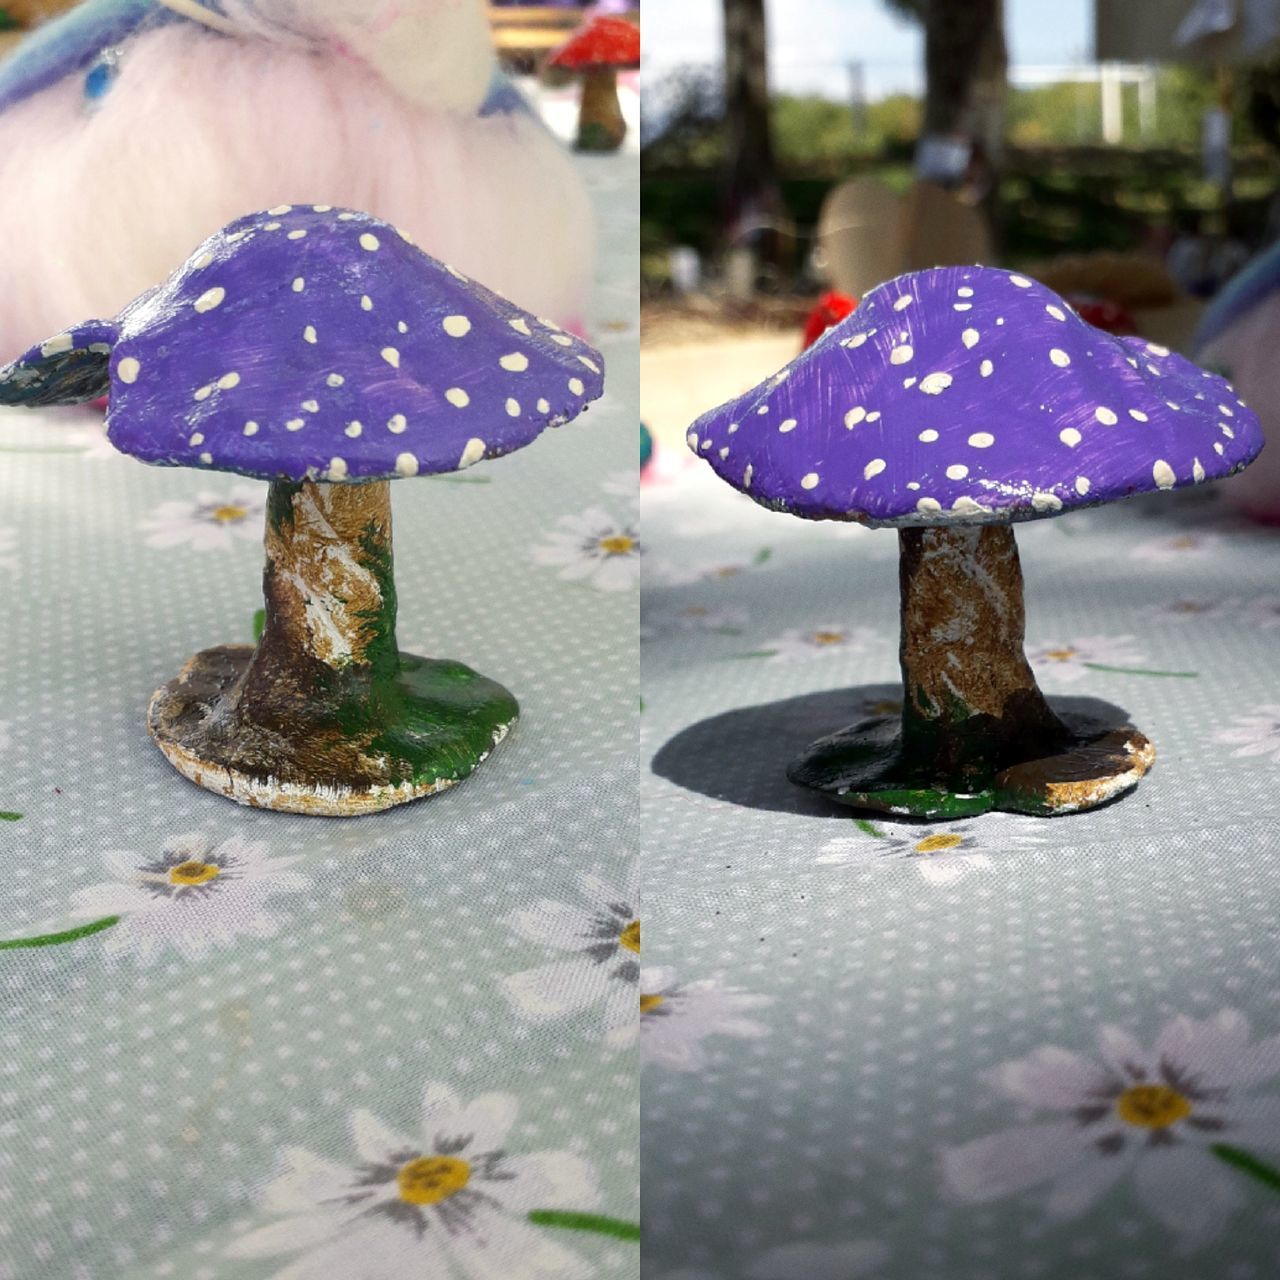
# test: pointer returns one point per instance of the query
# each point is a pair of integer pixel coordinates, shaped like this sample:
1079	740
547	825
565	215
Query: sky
811	41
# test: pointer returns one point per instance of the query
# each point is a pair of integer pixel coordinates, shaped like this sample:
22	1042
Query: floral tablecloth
1002	1047
243	1044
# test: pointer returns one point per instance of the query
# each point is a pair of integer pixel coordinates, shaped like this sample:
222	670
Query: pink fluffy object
99	203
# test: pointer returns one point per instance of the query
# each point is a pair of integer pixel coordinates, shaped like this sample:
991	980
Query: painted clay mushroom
319	350
830	309
599	49
953	403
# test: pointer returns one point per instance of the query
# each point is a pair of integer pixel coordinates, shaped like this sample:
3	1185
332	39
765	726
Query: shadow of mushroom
740	757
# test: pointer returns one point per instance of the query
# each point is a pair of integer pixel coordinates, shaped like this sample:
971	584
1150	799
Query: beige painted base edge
290	797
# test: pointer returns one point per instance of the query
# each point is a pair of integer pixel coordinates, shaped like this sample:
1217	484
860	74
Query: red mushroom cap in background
601	42
831	308
1103	314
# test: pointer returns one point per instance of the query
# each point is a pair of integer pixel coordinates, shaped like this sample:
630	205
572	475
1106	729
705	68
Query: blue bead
101	76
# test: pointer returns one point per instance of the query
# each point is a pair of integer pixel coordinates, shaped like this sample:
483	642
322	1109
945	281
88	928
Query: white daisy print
683	573
691	617
623	484
675	1018
1196	609
449	1202
1154	1113
942	853
601	934
210	521
193	898
9	549
1256	733
595	548
801	644
1070	660
1177	548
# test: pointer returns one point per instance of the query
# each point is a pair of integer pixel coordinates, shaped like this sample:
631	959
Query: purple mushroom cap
314	343
973	395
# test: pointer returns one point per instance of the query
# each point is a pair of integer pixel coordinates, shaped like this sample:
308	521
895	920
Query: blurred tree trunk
752	196
966	70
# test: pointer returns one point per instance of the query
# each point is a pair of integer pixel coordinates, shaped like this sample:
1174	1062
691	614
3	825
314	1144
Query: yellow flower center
630	937
431	1179
649	1003
618	544
938	844
230	514
1184	543
826	637
1152	1106
1061	655
189	873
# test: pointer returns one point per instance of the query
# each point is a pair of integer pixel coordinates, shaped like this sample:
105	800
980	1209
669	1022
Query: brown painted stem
326	715
330	610
601	126
970	699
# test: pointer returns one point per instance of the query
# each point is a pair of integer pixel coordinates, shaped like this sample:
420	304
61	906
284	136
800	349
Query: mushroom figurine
830	309
952	404
599	49
321	351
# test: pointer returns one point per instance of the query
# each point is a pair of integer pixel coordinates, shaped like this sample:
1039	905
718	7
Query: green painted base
597	139
866	767
415	735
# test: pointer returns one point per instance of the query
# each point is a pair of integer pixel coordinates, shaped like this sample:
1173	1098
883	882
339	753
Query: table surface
996	1048
232	1082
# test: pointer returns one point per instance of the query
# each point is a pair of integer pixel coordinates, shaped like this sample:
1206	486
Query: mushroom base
868	766
436	722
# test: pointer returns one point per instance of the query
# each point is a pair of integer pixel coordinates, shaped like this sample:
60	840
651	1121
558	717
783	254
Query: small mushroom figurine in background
319	350
953	403
830	309
599	49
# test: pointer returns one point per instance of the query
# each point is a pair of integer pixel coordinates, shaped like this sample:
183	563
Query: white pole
1147	88
1112	105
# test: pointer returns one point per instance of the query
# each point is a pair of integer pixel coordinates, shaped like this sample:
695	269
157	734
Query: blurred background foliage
1062	190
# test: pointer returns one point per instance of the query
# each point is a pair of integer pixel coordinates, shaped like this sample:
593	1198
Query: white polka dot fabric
263	1044
1001	1047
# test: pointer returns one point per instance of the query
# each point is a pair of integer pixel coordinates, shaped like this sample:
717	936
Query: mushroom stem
601	126
971	702
330	594
975	732
325	715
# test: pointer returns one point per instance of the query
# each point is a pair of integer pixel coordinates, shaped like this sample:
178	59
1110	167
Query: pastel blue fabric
987	1049
241	1045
